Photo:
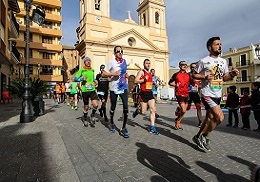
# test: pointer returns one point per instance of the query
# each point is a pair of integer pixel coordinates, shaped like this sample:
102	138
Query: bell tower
96	7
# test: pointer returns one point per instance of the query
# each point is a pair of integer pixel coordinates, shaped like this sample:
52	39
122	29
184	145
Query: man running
102	91
86	76
116	69
194	94
145	79
181	81
212	71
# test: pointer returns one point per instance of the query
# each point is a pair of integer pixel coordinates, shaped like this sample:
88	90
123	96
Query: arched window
97	4
157	16
144	19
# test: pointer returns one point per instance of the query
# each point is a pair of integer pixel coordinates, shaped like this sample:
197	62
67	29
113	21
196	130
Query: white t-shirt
216	66
118	83
67	85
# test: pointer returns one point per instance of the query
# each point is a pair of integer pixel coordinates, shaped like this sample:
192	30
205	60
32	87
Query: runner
212	71
180	81
145	79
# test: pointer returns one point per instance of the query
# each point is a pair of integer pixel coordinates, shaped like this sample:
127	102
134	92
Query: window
47	9
131	41
157	16
229	61
47	39
47	25
46	55
144	19
244	75
30	53
30	69
30	37
243	59
46	70
97	4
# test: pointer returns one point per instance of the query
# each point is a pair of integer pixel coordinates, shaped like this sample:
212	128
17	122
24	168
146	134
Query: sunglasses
119	51
193	67
183	64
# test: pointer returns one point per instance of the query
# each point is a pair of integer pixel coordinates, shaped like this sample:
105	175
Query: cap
86	59
102	66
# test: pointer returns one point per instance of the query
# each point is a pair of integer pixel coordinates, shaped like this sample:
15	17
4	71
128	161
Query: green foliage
38	87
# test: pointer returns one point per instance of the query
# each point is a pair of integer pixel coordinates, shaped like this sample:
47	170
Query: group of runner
209	72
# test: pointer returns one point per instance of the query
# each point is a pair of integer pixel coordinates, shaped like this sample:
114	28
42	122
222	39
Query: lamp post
257	51
27	112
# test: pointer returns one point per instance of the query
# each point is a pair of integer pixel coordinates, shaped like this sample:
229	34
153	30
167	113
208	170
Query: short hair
117	47
152	70
233	88
211	40
181	62
146	60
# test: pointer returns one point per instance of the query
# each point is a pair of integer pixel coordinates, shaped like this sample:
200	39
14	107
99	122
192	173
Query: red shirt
147	85
182	80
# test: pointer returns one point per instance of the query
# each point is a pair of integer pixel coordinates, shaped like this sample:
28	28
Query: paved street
56	147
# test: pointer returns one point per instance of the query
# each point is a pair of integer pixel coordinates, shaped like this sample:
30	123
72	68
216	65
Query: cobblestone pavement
56	147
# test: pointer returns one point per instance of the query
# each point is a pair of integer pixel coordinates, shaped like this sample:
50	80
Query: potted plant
38	89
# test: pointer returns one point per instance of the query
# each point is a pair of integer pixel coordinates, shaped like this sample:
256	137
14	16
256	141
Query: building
98	34
9	32
45	61
245	60
70	61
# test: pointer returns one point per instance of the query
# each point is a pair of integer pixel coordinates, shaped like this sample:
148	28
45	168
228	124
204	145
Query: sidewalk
56	147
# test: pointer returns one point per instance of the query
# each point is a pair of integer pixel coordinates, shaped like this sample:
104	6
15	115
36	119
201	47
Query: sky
190	23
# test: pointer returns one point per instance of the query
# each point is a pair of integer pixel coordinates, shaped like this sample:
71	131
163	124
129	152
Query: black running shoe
157	115
135	113
198	142
205	142
85	121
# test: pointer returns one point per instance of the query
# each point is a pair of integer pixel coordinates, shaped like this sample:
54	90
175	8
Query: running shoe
157	115
125	133
153	130
85	121
135	113
100	112
112	128
177	111
68	104
72	107
92	120
198	142
205	142
76	107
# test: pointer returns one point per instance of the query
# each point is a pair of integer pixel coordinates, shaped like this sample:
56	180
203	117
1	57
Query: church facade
98	34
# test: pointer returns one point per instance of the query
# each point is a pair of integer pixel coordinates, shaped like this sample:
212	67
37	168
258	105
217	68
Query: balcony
15	55
243	63
243	79
14	33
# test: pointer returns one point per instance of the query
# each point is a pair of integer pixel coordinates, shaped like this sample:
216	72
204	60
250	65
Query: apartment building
70	58
245	60
45	61
9	31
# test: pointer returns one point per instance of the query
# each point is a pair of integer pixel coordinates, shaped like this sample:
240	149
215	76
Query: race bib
149	85
119	91
216	85
90	87
101	93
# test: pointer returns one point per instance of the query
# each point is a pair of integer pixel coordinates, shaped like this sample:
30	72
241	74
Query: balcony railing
244	79
245	63
15	54
15	26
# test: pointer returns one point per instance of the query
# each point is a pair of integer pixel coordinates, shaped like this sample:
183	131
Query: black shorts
182	99
145	96
210	102
103	97
89	95
194	97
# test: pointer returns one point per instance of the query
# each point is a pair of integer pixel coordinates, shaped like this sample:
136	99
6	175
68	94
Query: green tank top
73	89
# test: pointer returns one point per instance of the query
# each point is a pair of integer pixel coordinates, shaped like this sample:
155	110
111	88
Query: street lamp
27	112
257	51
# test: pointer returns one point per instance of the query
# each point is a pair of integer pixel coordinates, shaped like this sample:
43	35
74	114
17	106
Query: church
98	34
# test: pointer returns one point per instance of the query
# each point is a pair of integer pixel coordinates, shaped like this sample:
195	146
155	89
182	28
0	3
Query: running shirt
182	80
88	85
67	85
155	80
118	83
74	88
194	84
148	84
216	66
103	83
